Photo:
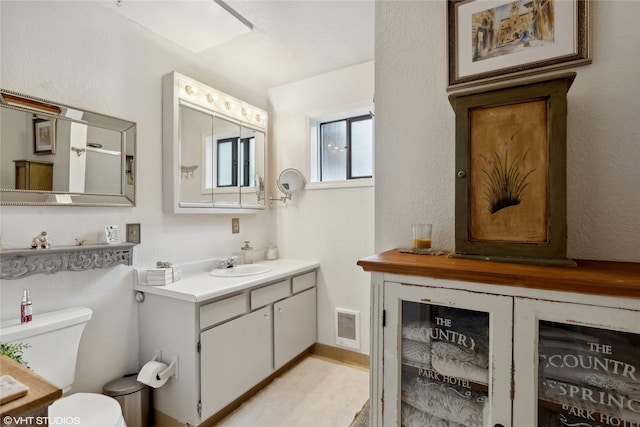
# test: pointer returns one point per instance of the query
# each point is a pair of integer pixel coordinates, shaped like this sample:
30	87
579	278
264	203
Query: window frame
348	121
314	147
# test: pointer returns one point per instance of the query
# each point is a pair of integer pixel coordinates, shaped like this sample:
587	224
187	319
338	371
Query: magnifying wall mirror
291	181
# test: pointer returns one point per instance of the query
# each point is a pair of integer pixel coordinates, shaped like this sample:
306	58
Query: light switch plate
133	233
235	225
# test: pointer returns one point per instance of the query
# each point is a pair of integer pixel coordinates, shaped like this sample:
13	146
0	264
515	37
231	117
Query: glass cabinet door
194	129
447	357
210	160
587	365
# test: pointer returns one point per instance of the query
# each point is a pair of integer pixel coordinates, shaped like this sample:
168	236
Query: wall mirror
291	181
214	149
55	154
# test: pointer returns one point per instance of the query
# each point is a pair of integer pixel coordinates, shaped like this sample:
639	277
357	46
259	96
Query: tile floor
315	393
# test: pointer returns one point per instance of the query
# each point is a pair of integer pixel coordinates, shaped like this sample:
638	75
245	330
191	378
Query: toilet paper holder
170	371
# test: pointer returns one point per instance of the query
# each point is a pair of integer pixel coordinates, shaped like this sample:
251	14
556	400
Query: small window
344	149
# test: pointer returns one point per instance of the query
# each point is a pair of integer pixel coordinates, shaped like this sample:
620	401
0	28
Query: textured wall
333	226
415	132
82	54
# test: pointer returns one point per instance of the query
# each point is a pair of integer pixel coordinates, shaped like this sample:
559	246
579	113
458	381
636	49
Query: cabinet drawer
269	294
222	310
304	281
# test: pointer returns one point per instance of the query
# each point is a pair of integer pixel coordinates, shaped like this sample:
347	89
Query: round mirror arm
282	199
284	188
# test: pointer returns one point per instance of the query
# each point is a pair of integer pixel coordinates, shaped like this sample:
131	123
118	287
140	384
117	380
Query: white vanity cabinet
234	357
489	344
229	334
294	326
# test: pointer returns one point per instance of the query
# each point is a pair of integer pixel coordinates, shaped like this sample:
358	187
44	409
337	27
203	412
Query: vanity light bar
222	103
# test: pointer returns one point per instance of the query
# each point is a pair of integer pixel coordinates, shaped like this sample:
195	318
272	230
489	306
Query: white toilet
54	339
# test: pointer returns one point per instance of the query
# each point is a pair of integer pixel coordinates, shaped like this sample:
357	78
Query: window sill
352	183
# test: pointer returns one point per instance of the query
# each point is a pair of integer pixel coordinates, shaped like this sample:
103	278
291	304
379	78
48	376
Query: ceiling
291	39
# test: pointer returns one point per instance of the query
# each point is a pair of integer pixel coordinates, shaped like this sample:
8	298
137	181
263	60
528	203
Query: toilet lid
86	409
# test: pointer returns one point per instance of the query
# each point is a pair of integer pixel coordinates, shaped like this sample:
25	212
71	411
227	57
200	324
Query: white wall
415	132
82	54
333	226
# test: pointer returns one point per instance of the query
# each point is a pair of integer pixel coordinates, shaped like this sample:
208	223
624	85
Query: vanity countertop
199	286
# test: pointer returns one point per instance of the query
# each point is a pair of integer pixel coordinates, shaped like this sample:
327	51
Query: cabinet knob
266	316
462	174
280	309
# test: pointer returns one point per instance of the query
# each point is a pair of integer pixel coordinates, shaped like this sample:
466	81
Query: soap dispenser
247	253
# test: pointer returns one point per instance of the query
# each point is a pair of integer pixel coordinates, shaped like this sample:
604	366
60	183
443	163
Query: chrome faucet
228	262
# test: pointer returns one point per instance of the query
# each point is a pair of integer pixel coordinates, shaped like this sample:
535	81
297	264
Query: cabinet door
576	365
447	357
294	326
234	357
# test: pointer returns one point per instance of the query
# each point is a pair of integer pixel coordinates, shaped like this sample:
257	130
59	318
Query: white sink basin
241	270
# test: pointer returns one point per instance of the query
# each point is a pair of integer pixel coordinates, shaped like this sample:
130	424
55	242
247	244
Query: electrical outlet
235	225
133	233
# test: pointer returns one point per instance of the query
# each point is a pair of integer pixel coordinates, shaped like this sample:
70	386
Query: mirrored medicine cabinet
214	150
55	154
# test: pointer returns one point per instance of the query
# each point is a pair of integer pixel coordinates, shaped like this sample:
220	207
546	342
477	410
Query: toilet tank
54	339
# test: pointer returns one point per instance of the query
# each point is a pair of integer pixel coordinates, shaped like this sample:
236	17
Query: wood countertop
606	278
41	392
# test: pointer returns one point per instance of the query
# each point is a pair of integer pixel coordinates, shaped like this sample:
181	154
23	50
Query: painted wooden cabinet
34	175
234	357
587	368
476	343
294	326
437	364
225	345
238	354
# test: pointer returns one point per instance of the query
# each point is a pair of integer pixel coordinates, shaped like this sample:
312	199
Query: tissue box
176	271
159	276
163	276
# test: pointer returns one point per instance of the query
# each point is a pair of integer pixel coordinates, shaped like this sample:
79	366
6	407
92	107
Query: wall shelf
19	263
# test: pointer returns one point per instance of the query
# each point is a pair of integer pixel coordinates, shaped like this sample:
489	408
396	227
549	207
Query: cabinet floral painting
508	174
587	377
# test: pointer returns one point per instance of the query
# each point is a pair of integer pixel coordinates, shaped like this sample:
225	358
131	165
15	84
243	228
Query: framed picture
44	136
112	234
496	40
511	171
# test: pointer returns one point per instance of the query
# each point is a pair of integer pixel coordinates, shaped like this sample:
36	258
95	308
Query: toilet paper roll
149	374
